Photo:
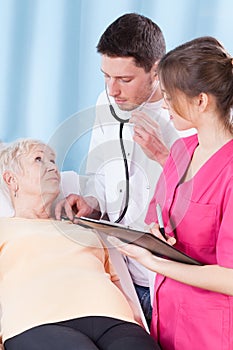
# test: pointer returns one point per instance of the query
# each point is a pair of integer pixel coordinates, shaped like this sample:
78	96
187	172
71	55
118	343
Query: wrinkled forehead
38	148
41	147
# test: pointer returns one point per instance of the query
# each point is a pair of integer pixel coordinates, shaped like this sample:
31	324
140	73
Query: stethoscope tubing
122	122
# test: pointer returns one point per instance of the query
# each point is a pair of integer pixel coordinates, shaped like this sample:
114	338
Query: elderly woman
57	286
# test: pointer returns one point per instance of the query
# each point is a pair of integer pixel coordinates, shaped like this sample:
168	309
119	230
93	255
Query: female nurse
193	305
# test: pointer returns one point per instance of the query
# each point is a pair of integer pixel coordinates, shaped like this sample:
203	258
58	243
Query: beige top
52	271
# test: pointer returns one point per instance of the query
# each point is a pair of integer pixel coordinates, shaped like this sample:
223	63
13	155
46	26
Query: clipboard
141	238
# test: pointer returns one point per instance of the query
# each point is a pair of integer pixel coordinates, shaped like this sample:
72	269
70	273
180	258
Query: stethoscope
122	122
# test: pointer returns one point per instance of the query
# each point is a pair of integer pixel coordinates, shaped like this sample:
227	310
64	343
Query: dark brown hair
199	66
133	35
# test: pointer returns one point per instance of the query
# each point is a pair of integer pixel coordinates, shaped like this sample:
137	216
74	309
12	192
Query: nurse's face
183	122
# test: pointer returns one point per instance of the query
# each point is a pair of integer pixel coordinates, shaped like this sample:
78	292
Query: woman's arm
211	277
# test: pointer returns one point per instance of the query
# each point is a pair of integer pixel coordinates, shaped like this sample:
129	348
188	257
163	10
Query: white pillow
6	209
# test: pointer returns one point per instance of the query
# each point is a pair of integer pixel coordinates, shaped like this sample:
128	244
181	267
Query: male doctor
127	153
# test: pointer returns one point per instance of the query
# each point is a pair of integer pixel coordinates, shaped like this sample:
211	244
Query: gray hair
10	157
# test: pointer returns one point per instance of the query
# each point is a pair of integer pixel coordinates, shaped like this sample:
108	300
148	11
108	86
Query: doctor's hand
75	205
148	135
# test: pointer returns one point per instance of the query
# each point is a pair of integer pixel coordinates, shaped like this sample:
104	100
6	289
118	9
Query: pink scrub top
199	213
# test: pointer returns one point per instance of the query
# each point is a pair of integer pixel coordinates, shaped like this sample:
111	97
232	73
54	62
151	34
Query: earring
16	189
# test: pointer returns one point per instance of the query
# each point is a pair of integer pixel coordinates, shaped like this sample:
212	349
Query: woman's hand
143	256
133	251
155	231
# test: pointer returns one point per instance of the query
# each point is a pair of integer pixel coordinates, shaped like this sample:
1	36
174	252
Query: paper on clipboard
137	237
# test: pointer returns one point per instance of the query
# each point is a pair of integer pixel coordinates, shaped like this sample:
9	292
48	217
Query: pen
160	220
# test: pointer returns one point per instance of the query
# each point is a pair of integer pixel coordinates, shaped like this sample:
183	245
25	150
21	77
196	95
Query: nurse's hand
154	230
148	135
143	256
75	205
140	254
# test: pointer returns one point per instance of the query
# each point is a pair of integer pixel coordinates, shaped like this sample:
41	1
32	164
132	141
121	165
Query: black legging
85	333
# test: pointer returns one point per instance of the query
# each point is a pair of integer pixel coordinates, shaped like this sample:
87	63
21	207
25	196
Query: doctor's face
127	83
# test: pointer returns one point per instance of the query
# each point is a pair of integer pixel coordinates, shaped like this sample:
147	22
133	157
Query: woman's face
183	122
39	175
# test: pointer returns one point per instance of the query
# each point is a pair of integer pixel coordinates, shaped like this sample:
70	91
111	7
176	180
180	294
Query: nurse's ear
202	101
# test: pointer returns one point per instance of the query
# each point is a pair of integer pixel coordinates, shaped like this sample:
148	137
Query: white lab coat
105	168
105	164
